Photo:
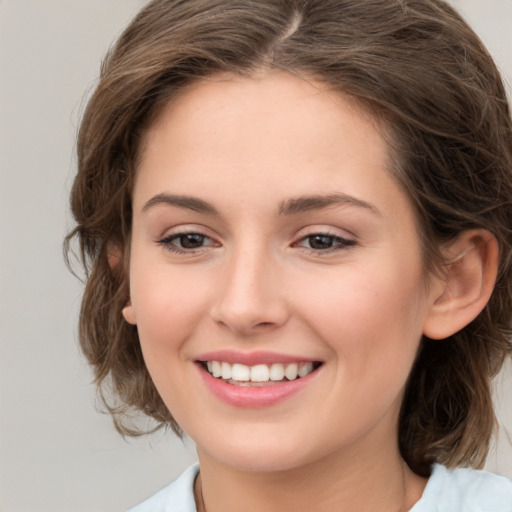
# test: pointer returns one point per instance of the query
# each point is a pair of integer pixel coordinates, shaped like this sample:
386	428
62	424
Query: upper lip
252	358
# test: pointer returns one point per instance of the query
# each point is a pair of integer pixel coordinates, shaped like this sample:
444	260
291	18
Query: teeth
304	369
226	371
291	371
240	372
277	372
260	372
216	370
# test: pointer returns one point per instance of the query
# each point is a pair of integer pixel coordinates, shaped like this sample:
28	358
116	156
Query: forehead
264	138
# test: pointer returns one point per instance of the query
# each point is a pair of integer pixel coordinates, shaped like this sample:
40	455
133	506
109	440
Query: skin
247	147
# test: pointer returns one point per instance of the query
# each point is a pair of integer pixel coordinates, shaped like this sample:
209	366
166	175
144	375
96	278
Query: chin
253	455
262	462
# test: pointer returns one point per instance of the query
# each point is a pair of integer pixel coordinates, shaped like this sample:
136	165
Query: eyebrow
318	202
187	202
289	207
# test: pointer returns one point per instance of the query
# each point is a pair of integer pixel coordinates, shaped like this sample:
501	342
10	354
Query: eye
324	242
186	242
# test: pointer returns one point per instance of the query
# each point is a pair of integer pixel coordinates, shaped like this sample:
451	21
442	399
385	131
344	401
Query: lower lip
252	397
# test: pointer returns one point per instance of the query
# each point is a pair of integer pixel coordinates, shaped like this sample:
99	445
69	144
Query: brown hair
417	67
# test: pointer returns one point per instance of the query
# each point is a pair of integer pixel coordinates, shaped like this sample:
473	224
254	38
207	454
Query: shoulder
465	490
176	497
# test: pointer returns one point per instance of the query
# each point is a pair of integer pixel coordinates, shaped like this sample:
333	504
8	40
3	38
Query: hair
418	68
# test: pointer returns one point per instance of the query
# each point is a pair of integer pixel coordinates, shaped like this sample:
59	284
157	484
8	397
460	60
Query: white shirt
459	490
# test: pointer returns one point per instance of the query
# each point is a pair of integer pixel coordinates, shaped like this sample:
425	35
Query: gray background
56	452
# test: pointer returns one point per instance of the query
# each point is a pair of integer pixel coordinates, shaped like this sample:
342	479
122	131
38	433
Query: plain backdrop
57	453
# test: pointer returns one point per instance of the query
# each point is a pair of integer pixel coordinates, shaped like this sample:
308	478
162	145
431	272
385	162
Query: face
276	277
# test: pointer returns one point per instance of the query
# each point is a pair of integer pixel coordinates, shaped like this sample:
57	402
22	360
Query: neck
339	482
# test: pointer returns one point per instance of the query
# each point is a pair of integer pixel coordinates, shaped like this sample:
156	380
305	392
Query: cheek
168	308
369	318
167	305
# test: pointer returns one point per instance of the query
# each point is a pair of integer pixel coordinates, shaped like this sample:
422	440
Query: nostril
249	315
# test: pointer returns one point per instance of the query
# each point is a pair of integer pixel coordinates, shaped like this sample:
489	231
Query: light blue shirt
459	490
465	490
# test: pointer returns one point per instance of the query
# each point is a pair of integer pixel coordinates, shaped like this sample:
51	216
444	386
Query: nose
251	298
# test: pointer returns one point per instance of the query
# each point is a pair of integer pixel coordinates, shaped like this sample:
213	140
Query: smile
259	374
254	380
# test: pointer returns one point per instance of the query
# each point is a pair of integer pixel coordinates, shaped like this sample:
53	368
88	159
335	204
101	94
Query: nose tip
251	301
248	316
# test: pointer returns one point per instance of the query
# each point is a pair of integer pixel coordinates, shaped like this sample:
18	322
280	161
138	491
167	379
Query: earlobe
469	278
129	313
113	255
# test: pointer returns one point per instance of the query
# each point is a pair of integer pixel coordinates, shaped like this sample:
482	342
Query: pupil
191	241
320	242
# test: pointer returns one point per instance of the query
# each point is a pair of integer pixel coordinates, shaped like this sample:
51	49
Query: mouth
258	375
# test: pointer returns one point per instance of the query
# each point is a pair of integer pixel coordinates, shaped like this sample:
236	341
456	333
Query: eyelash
338	243
167	242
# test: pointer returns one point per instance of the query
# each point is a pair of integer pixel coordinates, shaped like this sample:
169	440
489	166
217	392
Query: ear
129	313
114	256
469	278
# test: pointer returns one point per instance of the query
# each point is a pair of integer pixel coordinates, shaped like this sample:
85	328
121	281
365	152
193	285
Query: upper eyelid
327	231
183	229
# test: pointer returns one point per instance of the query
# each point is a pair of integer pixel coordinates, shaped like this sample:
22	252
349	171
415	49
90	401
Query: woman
295	217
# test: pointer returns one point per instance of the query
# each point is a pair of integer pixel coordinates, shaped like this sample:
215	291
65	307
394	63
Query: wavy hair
418	68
